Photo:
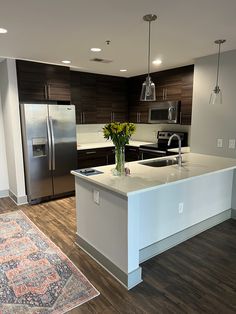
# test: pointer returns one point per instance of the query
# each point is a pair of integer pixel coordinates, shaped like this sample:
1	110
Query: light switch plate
219	142
181	208
232	143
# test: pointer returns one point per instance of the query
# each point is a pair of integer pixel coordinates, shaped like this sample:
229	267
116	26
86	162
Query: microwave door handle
170	113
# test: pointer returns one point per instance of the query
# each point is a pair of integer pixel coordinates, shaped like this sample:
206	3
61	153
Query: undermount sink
160	163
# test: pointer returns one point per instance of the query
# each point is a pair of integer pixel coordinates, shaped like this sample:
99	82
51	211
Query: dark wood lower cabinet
96	157
131	153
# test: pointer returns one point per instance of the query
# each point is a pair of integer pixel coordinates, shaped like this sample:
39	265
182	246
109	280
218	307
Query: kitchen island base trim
233	214
128	280
179	237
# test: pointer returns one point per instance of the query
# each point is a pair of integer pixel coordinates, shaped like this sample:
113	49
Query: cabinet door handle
139	117
180	118
45	91
163	93
83	117
90	153
166	93
48	91
132	149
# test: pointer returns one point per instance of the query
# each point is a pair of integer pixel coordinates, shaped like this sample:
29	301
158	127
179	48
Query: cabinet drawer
95	157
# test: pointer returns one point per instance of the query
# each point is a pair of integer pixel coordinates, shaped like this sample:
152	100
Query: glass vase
120	161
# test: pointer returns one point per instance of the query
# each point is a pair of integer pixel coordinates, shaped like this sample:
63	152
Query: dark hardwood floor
197	276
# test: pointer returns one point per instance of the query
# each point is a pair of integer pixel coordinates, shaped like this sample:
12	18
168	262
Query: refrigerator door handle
49	146
53	144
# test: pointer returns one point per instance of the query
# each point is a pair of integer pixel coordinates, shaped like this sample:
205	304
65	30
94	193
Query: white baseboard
19	200
4	193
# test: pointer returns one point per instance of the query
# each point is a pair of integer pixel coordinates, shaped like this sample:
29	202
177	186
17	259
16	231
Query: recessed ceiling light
157	62
3	31
123	70
96	49
66	61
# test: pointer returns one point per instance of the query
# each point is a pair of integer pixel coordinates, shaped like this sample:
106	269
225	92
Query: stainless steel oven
161	148
164	112
146	153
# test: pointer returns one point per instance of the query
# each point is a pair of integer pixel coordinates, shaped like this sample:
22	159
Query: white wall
4	185
89	133
11	122
210	122
92	133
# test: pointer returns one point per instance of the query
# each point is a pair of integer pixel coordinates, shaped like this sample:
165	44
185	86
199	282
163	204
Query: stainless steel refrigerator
49	144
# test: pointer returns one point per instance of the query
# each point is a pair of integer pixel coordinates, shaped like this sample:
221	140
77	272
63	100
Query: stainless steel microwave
164	112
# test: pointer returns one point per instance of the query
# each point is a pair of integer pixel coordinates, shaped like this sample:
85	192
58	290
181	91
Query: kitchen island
123	221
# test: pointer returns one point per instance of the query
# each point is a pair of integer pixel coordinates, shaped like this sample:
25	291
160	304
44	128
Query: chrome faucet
179	158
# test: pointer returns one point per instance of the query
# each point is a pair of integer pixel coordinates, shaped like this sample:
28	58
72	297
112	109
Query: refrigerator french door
49	142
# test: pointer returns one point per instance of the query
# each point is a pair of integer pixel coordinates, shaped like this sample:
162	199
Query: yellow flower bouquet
120	134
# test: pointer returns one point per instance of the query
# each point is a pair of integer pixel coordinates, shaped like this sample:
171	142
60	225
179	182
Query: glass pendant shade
216	96
148	92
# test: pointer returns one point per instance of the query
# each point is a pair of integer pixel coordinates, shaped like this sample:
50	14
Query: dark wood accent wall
99	98
173	84
40	81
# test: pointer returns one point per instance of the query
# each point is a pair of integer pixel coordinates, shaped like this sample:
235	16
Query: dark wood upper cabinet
103	98
40	81
174	84
99	98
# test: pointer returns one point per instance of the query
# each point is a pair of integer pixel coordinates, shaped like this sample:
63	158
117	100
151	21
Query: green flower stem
120	160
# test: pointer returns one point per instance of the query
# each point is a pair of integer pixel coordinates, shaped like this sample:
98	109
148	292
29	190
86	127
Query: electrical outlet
219	142
181	208
96	197
232	143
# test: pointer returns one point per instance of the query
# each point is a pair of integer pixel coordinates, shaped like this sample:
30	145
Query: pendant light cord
149	44
218	66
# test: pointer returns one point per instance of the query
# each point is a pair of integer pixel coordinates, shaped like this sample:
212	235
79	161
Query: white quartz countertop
108	144
144	178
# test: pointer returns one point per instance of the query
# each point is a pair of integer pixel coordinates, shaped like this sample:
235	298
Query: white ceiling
55	30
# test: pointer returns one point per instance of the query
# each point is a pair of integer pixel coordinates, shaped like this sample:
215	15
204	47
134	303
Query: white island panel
103	225
202	198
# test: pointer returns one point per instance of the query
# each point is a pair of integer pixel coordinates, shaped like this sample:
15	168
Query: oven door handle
152	151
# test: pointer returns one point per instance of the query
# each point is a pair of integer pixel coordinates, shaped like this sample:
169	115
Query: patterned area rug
35	276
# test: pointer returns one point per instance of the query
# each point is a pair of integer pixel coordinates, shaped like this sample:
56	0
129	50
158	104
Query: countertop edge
157	186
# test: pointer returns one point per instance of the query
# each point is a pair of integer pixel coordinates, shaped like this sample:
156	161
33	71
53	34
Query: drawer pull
92	152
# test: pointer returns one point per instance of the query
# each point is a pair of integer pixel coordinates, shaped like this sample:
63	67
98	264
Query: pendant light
216	95
148	92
